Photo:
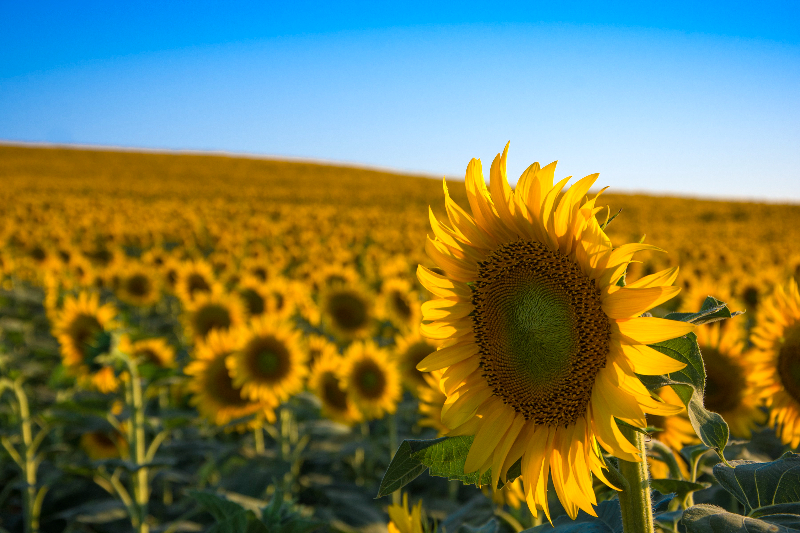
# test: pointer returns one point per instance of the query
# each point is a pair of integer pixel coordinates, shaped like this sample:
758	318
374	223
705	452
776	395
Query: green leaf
443	457
679	487
712	519
712	310
758	485
689	385
230	516
402	470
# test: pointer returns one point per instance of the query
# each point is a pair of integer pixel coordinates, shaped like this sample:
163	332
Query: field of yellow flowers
211	343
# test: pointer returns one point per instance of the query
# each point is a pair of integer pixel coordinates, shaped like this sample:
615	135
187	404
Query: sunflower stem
258	436
392	449
634	500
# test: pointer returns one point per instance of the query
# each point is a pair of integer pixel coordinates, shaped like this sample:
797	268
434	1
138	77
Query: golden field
187	269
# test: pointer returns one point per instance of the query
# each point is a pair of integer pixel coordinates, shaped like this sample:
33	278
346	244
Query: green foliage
689	383
608	520
231	517
769	492
443	457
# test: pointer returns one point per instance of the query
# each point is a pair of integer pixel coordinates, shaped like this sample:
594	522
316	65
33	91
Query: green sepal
712	310
443	457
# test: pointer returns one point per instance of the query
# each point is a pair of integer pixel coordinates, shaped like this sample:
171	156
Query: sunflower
212	311
280	301
316	346
776	360
99	445
730	388
399	303
409	351
269	365
195	279
372	382
404	521
324	382
540	345
347	312
139	285
674	431
82	330
213	392
511	494
154	351
254	295
431	400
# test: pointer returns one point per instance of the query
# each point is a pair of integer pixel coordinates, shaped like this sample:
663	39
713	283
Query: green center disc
542	333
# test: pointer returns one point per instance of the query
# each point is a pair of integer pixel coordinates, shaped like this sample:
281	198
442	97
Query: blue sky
686	98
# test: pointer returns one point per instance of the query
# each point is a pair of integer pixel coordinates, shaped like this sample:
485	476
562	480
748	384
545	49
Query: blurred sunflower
269	365
154	351
280	301
409	351
195	279
82	332
254	295
776	360
675	431
324	382
399	303
212	311
403	520
347	312
138	285
213	392
99	445
512	494
541	347
730	389
316	346
372	382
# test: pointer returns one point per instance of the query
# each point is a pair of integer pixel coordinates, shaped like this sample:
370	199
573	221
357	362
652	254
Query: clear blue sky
681	97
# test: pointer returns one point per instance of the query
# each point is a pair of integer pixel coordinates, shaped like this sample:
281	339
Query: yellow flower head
540	346
269	364
214	393
405	521
776	360
372	382
326	384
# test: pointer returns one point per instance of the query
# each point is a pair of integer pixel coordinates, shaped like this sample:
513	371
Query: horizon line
355	165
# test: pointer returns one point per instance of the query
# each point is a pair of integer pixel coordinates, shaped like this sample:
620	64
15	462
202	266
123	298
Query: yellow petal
493	429
446	309
628	303
645	360
442	286
445	357
649	330
659	279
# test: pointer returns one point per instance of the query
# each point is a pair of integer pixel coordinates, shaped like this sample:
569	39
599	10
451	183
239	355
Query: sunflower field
211	343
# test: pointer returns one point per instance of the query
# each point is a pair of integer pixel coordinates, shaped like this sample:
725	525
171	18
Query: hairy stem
637	508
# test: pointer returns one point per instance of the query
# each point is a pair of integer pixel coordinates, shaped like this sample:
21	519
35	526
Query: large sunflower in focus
540	346
777	360
213	391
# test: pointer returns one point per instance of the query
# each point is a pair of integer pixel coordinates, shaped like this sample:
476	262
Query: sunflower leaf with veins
442	457
689	385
